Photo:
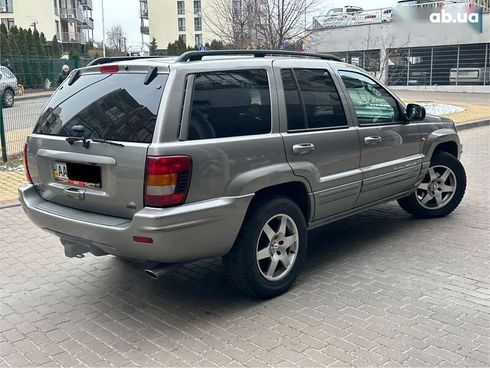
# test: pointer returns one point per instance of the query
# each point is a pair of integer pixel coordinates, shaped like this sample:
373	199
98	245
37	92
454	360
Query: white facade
70	20
170	20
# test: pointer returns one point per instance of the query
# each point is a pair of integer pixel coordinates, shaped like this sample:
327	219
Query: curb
27	97
9	204
473	124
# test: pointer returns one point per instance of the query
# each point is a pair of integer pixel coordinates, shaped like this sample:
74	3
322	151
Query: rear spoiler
113	59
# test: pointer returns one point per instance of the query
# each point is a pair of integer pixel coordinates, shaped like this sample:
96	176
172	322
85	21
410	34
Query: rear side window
229	104
312	100
117	107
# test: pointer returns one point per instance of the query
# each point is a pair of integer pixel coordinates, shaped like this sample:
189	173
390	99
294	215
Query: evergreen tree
153	46
55	47
177	48
16	60
38	57
5	49
22	58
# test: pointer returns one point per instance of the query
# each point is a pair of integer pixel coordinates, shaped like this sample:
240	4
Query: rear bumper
184	233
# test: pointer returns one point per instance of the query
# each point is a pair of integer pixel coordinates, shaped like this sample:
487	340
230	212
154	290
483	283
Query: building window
182	38
198	39
181	22
198	24
197	7
180	7
6	6
8	22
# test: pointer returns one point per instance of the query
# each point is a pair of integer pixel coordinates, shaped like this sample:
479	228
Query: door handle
373	140
302	148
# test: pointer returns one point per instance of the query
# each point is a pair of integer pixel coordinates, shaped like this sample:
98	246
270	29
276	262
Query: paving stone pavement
378	289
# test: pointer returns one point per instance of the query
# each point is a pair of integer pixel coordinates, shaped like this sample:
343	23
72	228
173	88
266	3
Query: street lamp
103	30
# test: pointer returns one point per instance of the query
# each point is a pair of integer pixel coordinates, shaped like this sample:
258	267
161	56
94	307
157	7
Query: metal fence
37	79
461	65
442	65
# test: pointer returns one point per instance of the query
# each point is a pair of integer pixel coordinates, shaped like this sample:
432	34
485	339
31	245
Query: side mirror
415	112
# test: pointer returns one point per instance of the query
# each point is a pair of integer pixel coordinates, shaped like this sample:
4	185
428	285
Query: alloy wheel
438	187
277	247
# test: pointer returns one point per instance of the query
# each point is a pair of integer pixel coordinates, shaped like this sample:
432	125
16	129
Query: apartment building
70	20
170	20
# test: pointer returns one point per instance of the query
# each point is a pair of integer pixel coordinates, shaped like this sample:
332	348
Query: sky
126	13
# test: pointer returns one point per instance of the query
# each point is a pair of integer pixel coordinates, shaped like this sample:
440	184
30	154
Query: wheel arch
442	140
297	191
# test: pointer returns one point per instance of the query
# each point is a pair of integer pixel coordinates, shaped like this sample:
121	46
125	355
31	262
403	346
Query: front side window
230	104
372	103
312	100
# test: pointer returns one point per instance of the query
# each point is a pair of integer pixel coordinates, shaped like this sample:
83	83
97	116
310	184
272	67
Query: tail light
109	69
167	180
24	158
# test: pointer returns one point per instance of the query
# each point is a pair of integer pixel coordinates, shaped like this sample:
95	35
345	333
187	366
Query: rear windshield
117	107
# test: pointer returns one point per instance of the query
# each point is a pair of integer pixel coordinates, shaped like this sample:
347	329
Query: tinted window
227	104
373	104
318	99
118	107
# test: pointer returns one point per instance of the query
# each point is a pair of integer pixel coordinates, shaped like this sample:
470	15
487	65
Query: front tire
441	190
270	249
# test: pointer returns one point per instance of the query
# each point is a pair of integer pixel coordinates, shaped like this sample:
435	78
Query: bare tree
232	22
259	23
283	22
116	39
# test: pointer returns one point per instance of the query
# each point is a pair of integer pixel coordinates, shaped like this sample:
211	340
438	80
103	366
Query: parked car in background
220	154
342	16
469	76
8	86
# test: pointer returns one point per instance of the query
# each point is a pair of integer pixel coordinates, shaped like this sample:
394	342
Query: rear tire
8	98
270	249
441	190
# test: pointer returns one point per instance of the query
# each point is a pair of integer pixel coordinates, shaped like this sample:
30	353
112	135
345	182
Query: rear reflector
142	239
167	180
24	158
109	68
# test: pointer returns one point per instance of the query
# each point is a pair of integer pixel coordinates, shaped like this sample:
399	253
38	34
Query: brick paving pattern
378	289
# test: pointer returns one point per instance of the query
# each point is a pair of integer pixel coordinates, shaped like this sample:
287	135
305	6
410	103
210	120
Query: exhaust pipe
160	269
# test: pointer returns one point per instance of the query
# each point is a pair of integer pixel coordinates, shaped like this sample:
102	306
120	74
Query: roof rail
198	55
113	59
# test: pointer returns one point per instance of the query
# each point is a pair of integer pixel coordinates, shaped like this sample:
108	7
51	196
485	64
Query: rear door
320	144
390	146
95	176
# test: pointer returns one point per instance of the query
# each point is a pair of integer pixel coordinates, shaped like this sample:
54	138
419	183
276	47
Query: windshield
117	107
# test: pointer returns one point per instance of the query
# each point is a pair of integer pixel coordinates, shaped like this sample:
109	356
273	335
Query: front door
390	146
320	144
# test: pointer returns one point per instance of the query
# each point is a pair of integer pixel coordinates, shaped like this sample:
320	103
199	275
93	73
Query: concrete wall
393	35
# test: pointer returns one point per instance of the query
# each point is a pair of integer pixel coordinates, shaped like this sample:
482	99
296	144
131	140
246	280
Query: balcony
72	37
88	23
87	4
144	13
145	30
72	15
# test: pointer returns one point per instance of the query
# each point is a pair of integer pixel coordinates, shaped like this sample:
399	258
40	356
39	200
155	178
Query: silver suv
8	86
231	153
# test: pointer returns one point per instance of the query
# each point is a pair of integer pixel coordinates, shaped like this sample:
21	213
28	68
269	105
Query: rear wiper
99	140
86	141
